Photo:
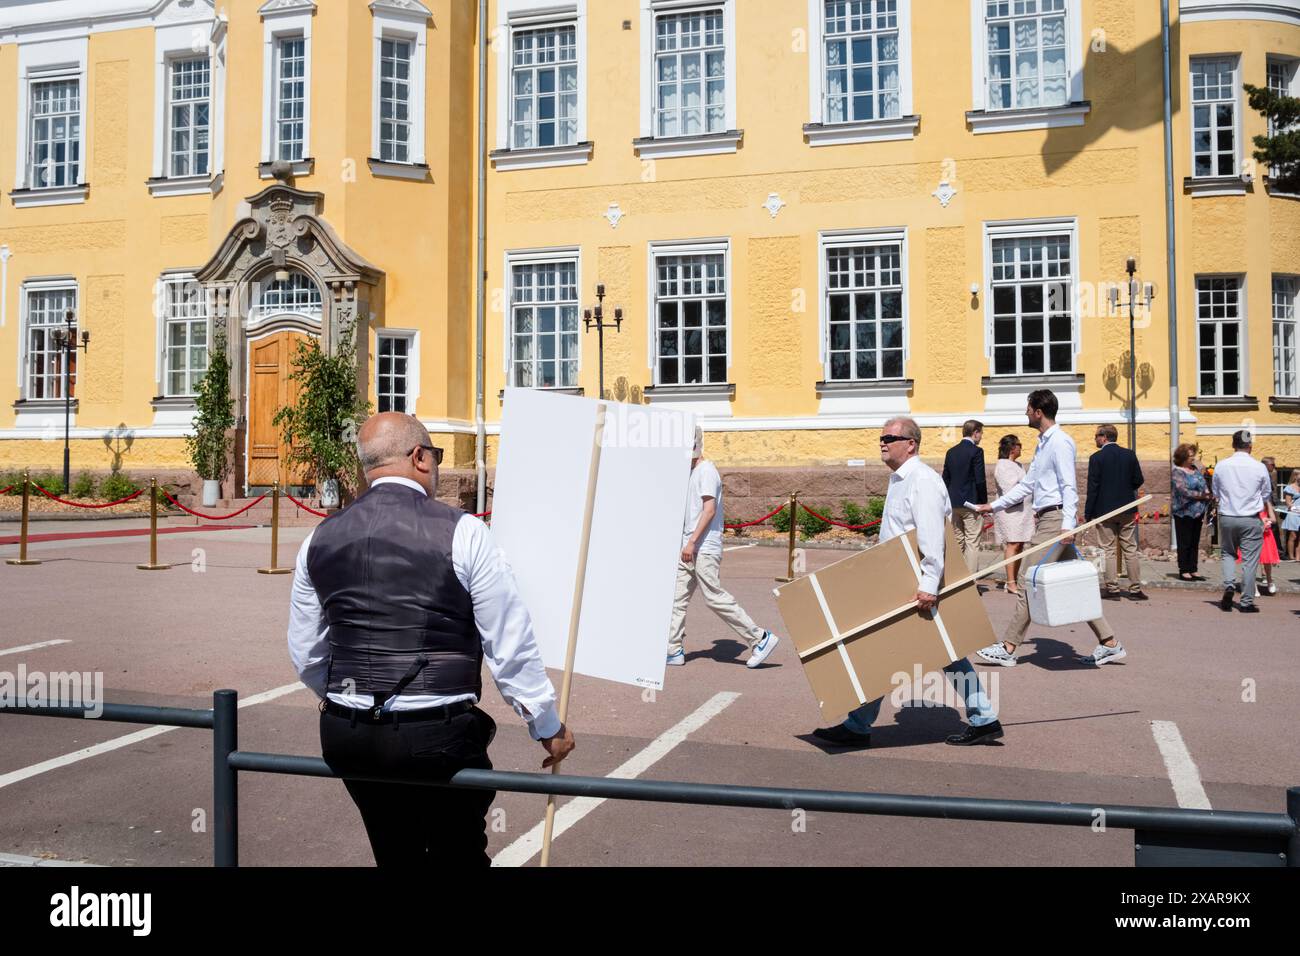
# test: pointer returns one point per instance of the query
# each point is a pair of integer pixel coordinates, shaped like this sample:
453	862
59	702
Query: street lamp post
1142	294
65	340
596	317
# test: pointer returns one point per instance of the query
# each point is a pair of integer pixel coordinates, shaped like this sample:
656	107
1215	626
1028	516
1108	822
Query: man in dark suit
963	473
1115	480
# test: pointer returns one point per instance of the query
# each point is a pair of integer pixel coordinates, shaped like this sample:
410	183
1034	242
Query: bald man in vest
397	601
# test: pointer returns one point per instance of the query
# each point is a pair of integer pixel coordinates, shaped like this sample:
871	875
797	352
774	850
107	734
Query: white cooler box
1063	592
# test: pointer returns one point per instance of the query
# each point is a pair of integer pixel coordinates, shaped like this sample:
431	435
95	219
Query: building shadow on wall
118	441
623	392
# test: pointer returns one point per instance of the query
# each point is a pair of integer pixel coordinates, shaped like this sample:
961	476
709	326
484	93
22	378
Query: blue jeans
979	709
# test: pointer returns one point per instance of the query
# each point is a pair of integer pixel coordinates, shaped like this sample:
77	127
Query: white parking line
530	844
1184	776
117	743
31	647
741	547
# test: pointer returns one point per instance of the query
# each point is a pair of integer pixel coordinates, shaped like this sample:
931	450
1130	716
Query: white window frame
282	24
25	291
407	23
1294	306
412	338
529	257
41	62
1022	229
180	42
840	239
162	367
1243	343
514	15
700	247
650	146
259	313
984	120
1291	83
821	133
1236	117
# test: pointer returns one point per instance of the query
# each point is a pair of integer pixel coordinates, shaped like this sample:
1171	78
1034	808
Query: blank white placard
537	510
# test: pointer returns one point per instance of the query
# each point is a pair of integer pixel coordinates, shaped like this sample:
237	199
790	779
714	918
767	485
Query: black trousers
1189	543
412	825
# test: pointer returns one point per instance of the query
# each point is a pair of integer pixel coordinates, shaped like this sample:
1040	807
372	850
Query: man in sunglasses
918	500
397	601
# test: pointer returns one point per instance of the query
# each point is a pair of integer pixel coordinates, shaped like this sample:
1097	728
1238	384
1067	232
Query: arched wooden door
270	362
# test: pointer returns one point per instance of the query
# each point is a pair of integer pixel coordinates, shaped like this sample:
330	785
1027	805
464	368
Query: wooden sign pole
575	615
982	573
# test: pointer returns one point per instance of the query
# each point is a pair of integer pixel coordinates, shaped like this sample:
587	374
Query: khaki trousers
1049	526
1115	535
969	525
706	574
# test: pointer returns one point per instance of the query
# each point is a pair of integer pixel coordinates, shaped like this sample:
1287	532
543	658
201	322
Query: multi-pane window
189	109
544	88
1214	116
393	382
544	324
690	74
395	101
185	332
290	97
1286	383
298	295
56	133
1281	76
1218	335
47	313
862	73
1026	47
1033	322
864	311
691	319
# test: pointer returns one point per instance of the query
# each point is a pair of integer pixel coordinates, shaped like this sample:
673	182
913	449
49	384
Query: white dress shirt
504	627
1050	479
917	498
1241	484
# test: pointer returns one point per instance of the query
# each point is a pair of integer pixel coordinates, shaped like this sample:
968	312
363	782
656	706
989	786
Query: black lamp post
596	317
1137	294
66	341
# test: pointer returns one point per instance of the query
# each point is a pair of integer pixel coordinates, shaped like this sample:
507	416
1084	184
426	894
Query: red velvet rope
64	501
5	491
750	524
486	514
839	524
199	514
310	511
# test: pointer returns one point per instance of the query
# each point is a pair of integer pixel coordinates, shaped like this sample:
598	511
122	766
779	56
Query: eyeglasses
890	439
436	452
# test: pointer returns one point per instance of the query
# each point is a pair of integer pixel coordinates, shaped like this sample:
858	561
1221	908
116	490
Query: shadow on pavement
1053	655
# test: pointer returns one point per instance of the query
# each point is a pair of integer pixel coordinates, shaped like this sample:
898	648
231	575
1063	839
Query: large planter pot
211	492
329	493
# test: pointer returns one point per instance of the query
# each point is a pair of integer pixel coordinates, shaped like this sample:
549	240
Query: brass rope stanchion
789	568
22	558
275	535
153	564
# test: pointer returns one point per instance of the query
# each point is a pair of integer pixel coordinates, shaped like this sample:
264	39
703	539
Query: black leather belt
1038	513
376	715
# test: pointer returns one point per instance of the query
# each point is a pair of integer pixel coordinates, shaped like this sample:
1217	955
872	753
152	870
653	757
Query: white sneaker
1101	654
763	649
996	653
1272	589
678	659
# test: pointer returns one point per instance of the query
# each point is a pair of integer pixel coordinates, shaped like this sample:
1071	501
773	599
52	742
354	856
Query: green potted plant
320	428
209	445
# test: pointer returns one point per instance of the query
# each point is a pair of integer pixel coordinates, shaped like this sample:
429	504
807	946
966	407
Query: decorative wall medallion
278	230
944	193
774	204
614	215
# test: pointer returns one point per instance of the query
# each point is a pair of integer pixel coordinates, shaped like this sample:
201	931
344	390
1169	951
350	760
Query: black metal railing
1163	836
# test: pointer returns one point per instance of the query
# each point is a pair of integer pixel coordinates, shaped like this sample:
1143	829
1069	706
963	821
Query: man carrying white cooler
1052	483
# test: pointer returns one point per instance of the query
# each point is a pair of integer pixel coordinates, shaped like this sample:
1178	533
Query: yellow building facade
812	215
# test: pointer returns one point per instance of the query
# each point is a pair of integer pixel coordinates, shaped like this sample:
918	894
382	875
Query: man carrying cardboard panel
918	499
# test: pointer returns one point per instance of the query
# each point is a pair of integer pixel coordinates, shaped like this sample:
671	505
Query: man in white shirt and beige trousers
1241	487
1052	483
919	500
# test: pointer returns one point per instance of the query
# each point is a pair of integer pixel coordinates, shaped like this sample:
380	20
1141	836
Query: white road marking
128	740
741	547
31	647
1184	776
530	844
13	859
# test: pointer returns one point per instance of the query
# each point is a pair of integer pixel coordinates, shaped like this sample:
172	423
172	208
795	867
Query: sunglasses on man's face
890	439
435	451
